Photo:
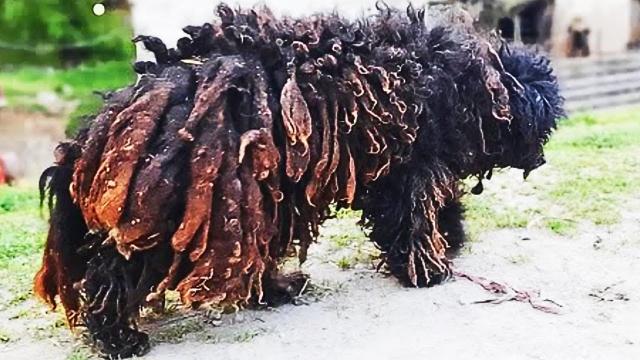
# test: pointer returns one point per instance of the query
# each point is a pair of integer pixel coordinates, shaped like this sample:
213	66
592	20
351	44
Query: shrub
61	32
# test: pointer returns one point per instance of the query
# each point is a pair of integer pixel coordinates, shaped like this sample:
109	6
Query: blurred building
602	27
563	27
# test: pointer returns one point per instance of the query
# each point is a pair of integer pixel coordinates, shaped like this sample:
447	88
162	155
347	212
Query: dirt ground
372	317
363	313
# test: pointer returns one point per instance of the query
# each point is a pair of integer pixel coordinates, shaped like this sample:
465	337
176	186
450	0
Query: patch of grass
76	84
490	217
484	213
17	199
348	214
596	162
317	291
22	235
593	166
50	330
594	198
27	313
5	336
344	263
89	105
561	226
349	246
341	240
80	353
175	333
358	256
69	83
247	336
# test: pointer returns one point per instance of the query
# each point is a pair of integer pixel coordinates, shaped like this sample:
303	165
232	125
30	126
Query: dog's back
231	150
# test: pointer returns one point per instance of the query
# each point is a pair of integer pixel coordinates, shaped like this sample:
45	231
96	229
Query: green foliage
61	32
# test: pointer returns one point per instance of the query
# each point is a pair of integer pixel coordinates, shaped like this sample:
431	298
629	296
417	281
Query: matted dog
232	148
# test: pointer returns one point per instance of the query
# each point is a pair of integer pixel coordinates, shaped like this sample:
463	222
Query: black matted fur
228	153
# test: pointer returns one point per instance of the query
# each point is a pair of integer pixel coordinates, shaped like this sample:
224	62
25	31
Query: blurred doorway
528	21
534	22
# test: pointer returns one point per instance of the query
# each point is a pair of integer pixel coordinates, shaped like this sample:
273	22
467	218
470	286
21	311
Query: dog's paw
416	270
284	289
120	343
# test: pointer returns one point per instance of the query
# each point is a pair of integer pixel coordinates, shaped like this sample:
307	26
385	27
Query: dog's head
535	105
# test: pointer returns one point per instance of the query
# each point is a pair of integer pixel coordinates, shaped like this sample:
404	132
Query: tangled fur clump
227	154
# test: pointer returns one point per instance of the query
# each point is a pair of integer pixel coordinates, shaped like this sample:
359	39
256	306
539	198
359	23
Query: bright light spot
98	9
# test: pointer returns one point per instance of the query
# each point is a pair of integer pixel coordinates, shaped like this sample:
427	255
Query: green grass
80	80
349	246
483	214
175	333
73	84
22	234
5	336
80	353
16	200
593	166
348	214
21	226
345	263
247	336
343	240
597	161
561	226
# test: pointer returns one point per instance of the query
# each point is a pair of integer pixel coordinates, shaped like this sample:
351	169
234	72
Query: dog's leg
402	211
114	289
450	225
279	289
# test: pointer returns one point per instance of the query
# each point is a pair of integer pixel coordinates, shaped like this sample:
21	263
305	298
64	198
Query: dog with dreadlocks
232	148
